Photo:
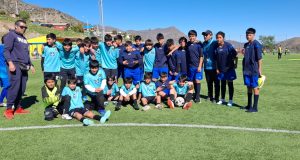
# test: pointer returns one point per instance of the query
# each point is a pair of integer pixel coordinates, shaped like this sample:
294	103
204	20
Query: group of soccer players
85	77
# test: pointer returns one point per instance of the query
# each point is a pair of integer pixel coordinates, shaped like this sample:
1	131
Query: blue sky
270	17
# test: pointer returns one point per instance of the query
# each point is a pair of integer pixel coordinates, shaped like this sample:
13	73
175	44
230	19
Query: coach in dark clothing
16	54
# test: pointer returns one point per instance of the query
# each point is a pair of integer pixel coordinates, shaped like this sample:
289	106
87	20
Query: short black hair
86	42
163	74
128	81
182	39
50	77
72	80
79	40
128	43
118	37
148	42
170	42
111	77
94	64
221	34
94	40
108	37
138	37
160	36
250	31
147	76
182	78
51	35
67	42
17	23
192	32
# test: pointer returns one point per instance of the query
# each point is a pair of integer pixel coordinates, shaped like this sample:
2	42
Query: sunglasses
23	27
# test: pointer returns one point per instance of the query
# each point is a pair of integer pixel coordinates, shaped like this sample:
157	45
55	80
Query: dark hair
79	40
51	35
170	42
111	77
94	40
107	38
147	76
86	41
148	42
192	32
72	80
50	77
163	74
118	37
250	31
182	39
128	81
67	42
17	23
94	64
138	37
160	36
221	34
182	78
128	43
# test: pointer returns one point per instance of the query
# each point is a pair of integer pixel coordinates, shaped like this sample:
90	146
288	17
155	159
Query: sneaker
87	122
146	108
66	116
104	118
187	105
20	110
245	108
114	102
251	110
9	114
136	106
105	103
197	100
221	102
230	103
159	106
171	104
118	107
85	98
3	105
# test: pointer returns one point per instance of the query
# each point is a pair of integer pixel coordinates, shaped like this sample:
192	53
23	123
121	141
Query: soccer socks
223	89
82	119
231	90
189	97
172	97
249	100
96	117
255	102
197	88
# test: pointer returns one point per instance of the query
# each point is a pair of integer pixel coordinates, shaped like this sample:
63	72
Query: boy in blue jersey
172	60
50	57
139	46
147	92
182	88
111	90
127	95
195	62
95	48
212	80
77	109
161	62
162	86
119	44
252	68
131	60
225	60
109	56
95	82
149	56
4	80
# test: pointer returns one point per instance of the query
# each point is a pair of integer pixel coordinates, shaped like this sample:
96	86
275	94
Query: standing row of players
150	72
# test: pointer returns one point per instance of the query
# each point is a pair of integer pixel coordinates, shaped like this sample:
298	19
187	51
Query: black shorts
79	110
114	97
110	72
150	99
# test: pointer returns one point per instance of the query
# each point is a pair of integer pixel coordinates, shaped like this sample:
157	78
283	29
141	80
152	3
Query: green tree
268	42
24	15
77	28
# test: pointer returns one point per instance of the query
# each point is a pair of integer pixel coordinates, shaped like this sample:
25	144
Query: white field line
155	125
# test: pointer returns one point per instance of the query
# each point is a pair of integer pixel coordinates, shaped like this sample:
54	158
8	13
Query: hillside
293	44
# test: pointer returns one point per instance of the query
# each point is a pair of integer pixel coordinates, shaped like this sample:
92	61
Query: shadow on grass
27	102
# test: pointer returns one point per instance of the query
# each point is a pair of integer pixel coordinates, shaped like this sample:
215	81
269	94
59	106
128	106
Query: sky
279	18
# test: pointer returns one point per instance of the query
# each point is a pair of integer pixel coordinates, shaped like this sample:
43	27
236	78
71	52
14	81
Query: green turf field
278	109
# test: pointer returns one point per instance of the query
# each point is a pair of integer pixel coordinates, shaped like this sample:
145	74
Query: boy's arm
43	57
132	92
90	88
59	46
103	84
201	59
123	93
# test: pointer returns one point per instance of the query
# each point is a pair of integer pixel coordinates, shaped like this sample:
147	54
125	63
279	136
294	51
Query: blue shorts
172	77
230	75
251	81
157	71
194	74
4	82
134	74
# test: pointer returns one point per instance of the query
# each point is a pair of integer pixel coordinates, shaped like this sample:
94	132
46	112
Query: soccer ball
179	101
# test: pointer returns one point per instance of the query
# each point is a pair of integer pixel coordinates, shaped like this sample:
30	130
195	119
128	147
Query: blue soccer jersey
147	90
181	66
114	89
181	90
67	58
225	56
160	56
76	97
94	81
149	59
253	53
209	54
125	90
3	68
82	63
194	53
109	56
51	57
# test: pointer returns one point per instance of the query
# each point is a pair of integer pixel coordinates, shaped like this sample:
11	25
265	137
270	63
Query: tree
114	32
24	15
77	28
268	42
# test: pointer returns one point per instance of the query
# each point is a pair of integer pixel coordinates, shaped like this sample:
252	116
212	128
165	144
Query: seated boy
111	90
127	95
182	88
162	86
77	109
147	92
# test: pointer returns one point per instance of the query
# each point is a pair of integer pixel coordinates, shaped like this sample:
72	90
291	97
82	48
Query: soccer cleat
197	100
171	104
104	118
85	98
87	122
252	110
118	107
221	102
136	106
3	105
230	103
9	114
159	106
105	103
20	110
187	105
146	108
66	117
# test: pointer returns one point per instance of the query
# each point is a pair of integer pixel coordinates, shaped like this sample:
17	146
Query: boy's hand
171	73
135	62
199	69
127	98
125	62
218	72
109	92
98	90
32	70
159	89
11	66
175	73
110	98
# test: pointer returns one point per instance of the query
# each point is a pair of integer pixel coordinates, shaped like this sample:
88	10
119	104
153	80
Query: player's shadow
27	102
233	105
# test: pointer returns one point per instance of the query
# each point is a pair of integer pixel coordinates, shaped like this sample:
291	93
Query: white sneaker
3	105
230	103
146	108
221	102
159	106
66	117
105	103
